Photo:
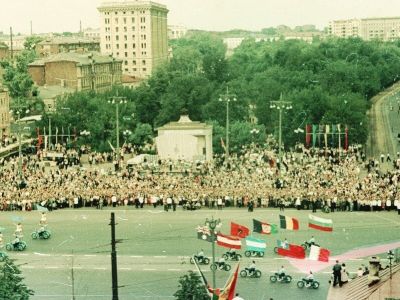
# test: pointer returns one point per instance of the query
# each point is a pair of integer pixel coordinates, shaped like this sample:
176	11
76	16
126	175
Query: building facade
77	71
4	53
176	32
385	29
66	44
135	32
185	139
4	113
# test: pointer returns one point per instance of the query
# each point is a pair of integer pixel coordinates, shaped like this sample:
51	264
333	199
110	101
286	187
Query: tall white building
386	29
135	32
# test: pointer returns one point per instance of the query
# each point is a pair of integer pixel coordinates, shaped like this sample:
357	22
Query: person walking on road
337	278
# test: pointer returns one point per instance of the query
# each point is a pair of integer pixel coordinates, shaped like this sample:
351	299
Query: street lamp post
212	224
227	97
390	256
117	101
280	105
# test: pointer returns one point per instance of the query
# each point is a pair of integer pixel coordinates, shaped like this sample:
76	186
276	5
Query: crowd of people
255	177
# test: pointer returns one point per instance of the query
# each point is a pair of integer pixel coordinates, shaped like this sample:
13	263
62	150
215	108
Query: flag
203	279
314	135
253	244
294	251
308	136
320	223
229	290
228	241
264	228
239	230
223	144
318	253
203	233
289	223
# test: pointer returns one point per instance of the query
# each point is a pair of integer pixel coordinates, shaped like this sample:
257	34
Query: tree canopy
11	282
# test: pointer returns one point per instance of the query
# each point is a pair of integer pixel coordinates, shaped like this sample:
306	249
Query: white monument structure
185	139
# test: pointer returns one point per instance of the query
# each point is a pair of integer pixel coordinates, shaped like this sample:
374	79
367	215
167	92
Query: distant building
135	32
77	71
4	113
385	29
18	42
176	32
304	36
185	139
66	44
91	33
4	52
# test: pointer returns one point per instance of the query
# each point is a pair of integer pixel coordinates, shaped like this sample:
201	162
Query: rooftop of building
85	58
130	4
68	40
184	123
51	92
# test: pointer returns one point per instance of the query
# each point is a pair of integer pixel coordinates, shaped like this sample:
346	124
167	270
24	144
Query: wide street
156	246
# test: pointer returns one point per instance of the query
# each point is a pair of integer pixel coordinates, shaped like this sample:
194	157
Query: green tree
143	134
11	282
191	288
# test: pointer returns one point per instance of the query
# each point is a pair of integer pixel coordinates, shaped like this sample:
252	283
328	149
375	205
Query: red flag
294	251
239	230
230	286
228	241
308	136
346	139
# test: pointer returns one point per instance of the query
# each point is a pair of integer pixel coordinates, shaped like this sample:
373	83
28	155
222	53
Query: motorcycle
284	279
249	253
303	283
20	246
306	245
202	261
219	266
246	273
229	256
3	256
44	234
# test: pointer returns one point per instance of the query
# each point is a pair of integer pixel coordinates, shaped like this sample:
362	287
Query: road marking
279	258
99	268
136	256
27	267
356	259
90	255
41	254
67	255
126	269
51	267
78	267
160	256
149	269
23	254
174	270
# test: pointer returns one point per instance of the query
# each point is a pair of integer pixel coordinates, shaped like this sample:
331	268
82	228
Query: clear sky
64	15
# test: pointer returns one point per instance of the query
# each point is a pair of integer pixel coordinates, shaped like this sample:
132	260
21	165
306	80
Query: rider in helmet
310	278
200	255
281	272
252	267
232	253
311	241
221	262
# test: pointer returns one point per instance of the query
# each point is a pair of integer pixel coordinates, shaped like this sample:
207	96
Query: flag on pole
319	254
264	228
203	279
320	223
308	135
239	230
339	133
294	251
289	223
203	233
227	241
253	244
229	289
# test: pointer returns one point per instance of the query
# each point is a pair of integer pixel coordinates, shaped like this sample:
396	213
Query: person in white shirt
237	297
281	272
310	278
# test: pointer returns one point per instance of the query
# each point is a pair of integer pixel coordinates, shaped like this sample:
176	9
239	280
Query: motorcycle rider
221	263
232	253
200	255
43	219
18	230
16	241
281	273
252	268
311	241
309	279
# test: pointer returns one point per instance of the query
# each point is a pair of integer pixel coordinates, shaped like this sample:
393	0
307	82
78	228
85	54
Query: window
117	53
134	46
142	20
125	62
116	20
134	62
116	29
133	19
133	28
126	46
134	69
125	37
143	62
124	19
144	69
117	46
117	38
125	29
126	69
126	55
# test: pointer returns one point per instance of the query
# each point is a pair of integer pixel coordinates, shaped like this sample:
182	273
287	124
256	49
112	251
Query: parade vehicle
246	273
3	256
306	245
220	266
19	246
41	234
201	260
313	284
252	253
232	256
283	279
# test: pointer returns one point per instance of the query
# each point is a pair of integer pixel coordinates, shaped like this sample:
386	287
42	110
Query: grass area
163	239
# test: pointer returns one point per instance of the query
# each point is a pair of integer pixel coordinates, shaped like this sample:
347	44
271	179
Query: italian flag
289	223
228	241
318	253
320	223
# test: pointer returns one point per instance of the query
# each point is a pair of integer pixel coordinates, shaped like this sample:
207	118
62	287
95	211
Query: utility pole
280	105
114	272
227	97
117	101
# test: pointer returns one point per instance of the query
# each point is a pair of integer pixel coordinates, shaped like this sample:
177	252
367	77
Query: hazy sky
64	15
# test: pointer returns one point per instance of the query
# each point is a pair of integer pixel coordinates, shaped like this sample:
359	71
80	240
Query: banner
308	135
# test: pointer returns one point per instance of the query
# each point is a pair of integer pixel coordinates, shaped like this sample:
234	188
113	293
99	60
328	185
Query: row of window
135	69
124	12
124	20
118	46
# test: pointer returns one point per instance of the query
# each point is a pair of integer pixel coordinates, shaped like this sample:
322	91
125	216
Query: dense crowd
255	177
